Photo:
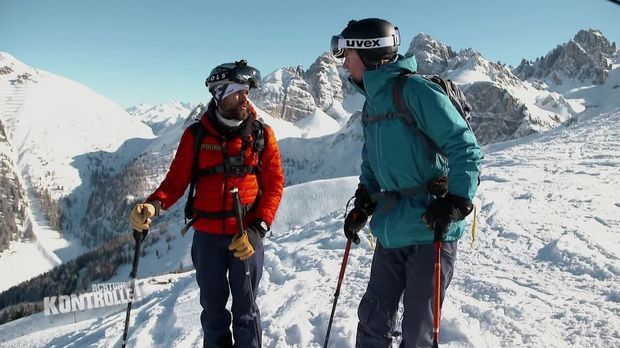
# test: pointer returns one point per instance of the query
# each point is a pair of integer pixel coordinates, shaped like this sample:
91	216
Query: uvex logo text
363	43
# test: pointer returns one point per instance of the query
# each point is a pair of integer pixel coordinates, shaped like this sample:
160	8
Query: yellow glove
242	247
140	217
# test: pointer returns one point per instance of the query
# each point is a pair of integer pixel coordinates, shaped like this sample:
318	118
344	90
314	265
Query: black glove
363	200
441	212
438	187
256	232
353	223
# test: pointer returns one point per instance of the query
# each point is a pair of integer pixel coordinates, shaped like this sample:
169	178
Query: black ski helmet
239	72
374	39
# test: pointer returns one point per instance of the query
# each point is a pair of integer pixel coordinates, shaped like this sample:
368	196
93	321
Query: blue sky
157	51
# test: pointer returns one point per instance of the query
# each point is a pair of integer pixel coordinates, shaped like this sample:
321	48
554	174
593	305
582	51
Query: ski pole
139	237
437	293
239	218
343	266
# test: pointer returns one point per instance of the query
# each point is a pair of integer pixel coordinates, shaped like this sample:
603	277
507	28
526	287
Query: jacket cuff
157	205
261	226
464	205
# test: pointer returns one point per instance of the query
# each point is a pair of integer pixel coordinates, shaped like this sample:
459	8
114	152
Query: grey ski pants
406	272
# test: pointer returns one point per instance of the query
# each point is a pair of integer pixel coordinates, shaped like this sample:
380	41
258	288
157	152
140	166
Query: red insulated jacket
212	192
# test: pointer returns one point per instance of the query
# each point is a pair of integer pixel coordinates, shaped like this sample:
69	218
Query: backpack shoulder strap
409	115
198	130
405	114
258	133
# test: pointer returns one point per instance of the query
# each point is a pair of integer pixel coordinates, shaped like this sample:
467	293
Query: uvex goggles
339	43
236	73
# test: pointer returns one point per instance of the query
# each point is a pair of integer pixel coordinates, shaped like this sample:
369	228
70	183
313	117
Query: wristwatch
263	227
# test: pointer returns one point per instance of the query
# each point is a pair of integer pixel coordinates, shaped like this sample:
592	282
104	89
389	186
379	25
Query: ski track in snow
543	271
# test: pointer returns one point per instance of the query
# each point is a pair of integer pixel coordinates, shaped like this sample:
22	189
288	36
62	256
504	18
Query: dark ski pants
406	272
217	271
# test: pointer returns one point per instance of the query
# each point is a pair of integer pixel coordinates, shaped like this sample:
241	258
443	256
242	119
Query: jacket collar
374	80
209	121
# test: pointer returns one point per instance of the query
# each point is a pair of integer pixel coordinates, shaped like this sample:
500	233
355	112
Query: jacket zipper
379	148
225	193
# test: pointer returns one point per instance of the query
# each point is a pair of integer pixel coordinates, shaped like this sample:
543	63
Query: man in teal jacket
403	172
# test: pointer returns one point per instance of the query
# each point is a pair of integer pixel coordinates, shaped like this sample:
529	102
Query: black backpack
454	93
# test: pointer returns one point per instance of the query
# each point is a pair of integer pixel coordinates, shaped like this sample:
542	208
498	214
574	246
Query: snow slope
543	271
49	114
282	129
161	116
60	131
318	124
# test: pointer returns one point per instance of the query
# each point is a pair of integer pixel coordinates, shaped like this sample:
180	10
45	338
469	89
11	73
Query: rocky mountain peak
433	56
285	94
595	42
586	58
324	80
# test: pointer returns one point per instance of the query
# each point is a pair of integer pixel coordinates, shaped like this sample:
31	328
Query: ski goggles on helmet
339	43
238	72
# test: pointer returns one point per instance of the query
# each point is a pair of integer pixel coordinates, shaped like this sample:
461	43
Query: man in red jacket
235	150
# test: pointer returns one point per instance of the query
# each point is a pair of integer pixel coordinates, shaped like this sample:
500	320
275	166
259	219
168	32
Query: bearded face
235	106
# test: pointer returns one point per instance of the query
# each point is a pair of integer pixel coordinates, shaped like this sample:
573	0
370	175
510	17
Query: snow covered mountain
58	135
585	71
504	106
586	58
542	271
161	116
293	94
331	156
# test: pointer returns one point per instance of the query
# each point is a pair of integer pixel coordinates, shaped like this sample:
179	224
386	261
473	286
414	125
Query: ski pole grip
441	227
237	209
139	236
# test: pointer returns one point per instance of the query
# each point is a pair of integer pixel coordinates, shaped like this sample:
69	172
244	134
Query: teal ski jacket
395	156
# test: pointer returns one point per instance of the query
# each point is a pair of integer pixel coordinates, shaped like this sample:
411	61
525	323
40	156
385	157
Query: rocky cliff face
325	83
504	105
466	66
497	113
292	94
285	94
586	58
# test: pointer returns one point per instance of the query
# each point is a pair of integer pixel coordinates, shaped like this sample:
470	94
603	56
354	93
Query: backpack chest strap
229	170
